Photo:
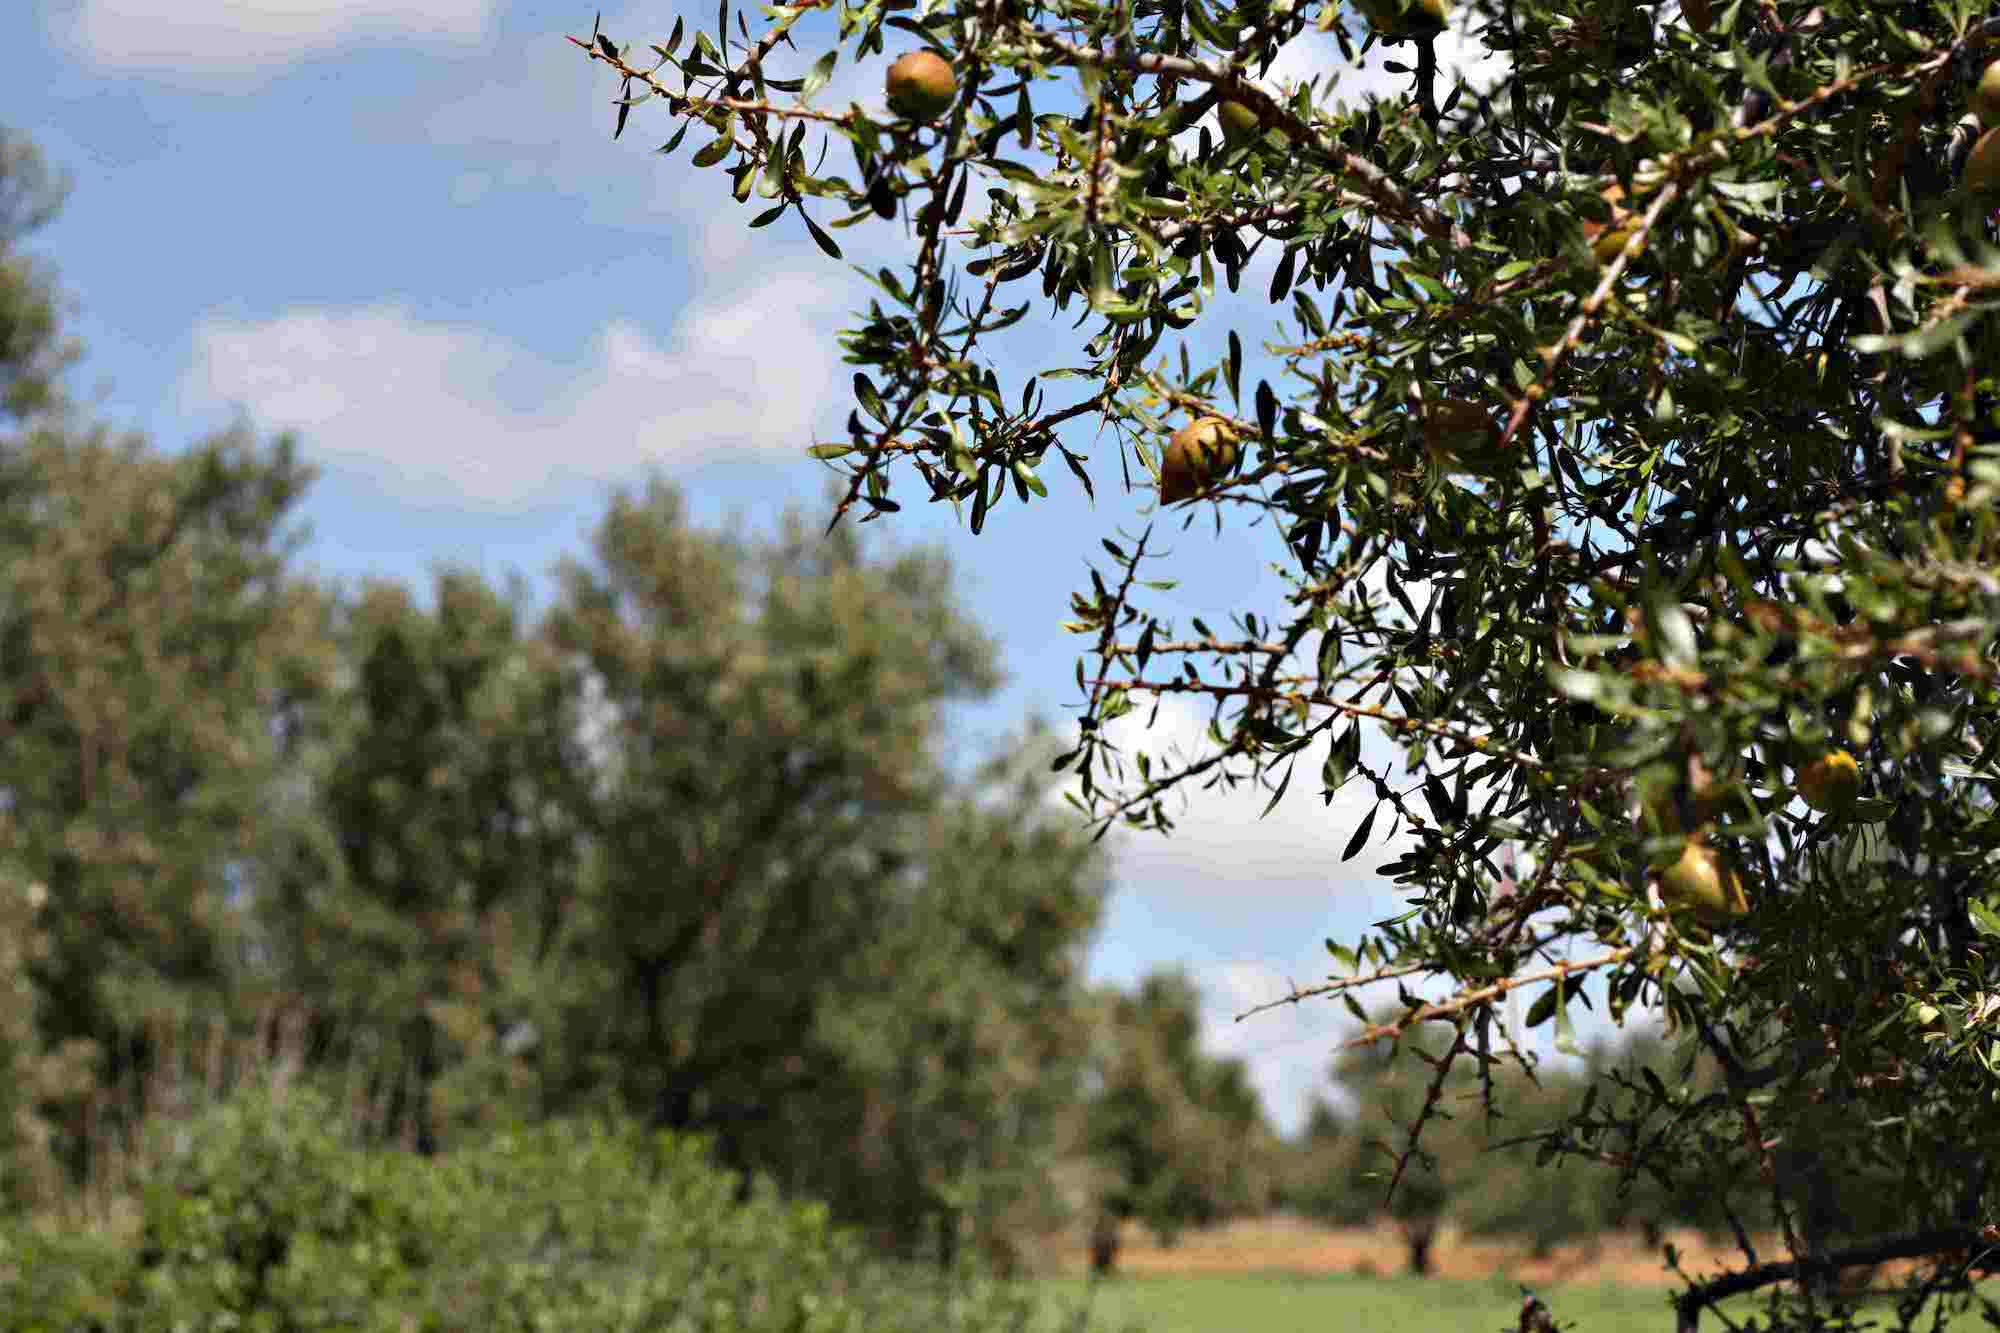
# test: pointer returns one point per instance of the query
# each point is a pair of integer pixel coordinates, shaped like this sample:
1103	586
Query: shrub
267	1221
56	1283
267	1216
597	1226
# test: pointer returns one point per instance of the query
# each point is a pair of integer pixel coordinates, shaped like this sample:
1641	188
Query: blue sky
400	229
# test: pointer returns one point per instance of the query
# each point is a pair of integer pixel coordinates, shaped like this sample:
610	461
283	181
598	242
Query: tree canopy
1630	426
686	847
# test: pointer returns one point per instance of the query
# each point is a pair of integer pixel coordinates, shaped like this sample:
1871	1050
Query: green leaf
1025	476
1281	279
1279	794
1360	837
1572	684
819	75
820	238
1565	1026
870	400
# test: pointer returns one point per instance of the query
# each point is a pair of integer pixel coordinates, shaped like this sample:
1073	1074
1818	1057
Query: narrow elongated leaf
820	238
1360	837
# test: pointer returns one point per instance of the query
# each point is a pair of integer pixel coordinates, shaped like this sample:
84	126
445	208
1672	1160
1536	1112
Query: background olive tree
686	847
1631	429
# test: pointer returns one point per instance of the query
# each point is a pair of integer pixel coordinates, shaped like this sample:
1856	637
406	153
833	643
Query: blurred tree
960	1028
31	357
766	721
1181	1133
407	912
146	639
33	351
792	927
1315	1179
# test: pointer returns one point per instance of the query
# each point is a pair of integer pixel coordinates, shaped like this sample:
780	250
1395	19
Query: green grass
1291	1303
1294	1303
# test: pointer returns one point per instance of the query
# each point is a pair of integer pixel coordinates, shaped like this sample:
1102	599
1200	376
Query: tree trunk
1420	1236
947	1228
1104	1246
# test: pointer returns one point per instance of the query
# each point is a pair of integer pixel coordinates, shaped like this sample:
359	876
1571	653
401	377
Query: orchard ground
1286	1244
1287	1275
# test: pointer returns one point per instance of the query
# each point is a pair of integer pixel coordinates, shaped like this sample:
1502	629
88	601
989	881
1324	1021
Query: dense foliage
266	1218
689	844
1630	426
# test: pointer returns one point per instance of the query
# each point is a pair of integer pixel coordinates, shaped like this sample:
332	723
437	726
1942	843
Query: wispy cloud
436	411
229	40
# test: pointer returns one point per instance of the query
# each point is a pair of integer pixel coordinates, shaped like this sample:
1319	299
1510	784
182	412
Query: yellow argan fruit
1698	14
1240	124
1982	165
921	86
1986	96
1199	454
1463	437
1702	882
1389	19
1831	782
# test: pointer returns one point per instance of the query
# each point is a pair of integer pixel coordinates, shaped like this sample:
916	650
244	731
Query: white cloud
1291	855
540	113
1286	1051
434	411
1316	56
231	39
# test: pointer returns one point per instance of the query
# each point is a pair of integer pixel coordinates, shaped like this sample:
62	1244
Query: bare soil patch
1293	1244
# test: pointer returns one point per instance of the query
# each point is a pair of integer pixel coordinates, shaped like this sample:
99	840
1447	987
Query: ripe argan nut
1986	96
1199	454
921	86
1982	165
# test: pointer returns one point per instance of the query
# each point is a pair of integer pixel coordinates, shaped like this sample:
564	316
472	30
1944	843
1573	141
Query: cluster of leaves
267	1220
1718	285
